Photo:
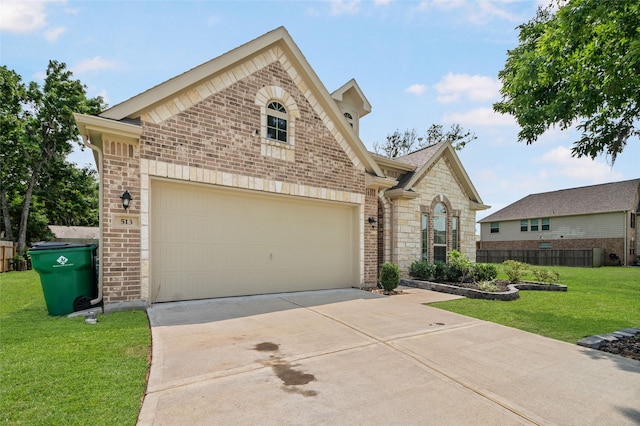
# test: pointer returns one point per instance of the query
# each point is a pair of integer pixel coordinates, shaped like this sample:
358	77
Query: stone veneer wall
438	185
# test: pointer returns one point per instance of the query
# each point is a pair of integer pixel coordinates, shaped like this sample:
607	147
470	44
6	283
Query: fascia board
400	193
98	124
379	182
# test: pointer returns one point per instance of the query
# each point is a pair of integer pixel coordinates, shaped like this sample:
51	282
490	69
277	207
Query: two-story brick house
247	176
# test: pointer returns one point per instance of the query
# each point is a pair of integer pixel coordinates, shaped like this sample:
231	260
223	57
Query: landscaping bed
505	290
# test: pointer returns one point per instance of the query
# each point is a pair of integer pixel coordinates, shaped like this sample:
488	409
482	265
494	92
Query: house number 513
126	221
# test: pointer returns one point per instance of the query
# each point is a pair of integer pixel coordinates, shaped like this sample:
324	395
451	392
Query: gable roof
604	198
417	164
308	81
364	107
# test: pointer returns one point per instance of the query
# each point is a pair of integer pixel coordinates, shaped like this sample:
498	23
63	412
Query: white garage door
216	242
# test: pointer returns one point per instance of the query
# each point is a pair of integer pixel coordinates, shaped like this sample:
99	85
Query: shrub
490	286
514	270
440	271
389	276
421	270
545	275
483	272
459	265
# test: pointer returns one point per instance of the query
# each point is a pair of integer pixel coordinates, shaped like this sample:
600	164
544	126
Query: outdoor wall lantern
372	222
126	199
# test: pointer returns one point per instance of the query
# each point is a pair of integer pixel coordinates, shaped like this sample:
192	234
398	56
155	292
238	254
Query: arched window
277	121
440	233
349	118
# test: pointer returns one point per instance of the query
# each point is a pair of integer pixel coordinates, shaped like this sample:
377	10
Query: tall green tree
13	95
402	143
577	64
41	133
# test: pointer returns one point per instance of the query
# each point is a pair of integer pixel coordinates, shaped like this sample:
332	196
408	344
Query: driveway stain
291	378
266	347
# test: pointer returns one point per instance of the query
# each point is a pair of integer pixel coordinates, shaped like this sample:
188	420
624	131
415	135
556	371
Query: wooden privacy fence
7	251
567	257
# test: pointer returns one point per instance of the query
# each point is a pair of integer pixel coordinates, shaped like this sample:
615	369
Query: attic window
349	118
277	122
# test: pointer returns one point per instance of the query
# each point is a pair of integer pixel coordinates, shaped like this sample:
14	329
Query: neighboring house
598	216
248	177
76	234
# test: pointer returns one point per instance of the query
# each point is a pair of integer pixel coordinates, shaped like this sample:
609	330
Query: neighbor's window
495	227
524	225
440	233
544	245
534	225
546	224
425	236
276	122
455	244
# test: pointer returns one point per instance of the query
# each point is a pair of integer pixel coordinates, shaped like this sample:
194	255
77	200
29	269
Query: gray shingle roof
608	197
421	156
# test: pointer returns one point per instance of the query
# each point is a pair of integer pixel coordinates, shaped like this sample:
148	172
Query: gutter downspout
87	142
626	235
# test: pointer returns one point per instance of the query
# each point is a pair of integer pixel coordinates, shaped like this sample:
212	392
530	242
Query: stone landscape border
598	341
512	294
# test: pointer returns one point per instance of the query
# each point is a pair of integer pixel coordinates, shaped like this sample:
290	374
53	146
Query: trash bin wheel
82	303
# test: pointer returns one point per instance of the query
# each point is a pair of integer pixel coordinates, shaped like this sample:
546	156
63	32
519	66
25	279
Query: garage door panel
214	243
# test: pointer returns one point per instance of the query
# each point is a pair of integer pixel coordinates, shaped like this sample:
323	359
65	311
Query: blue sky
418	63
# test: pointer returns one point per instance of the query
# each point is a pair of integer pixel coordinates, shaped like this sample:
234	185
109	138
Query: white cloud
583	169
95	64
479	117
22	16
345	7
381	2
479	12
53	34
416	89
479	88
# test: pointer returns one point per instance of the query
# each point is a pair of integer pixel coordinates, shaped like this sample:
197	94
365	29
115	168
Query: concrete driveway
350	357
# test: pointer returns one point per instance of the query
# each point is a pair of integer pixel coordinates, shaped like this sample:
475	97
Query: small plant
440	271
459	265
483	272
421	270
515	270
389	276
489	286
545	275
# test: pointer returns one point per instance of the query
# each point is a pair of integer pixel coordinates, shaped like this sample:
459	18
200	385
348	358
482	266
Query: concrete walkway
349	357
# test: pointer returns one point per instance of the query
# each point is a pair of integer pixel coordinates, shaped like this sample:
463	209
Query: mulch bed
628	347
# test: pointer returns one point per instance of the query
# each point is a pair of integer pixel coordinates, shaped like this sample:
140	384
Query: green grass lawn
62	371
598	300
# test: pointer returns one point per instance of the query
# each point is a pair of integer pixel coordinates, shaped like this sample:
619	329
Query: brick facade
212	131
121	244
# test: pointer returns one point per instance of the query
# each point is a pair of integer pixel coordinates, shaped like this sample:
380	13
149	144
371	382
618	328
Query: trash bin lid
57	245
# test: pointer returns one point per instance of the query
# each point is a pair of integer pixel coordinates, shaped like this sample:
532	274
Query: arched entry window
440	233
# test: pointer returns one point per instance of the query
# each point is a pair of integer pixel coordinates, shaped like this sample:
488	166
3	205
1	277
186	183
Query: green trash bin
67	274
